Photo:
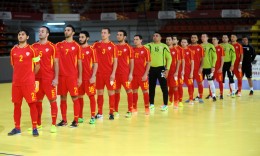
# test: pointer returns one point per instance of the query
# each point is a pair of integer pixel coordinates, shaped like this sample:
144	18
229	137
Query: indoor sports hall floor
230	127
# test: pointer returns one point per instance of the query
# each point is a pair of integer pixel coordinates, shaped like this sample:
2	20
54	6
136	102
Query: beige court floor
225	128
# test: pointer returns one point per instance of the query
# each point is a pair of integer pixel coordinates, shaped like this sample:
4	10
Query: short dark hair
175	36
169	36
245	36
108	29
234	35
47	28
70	26
214	37
123	31
140	36
85	33
185	39
24	30
156	32
205	34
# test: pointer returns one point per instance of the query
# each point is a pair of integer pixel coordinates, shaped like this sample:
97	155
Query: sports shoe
128	115
191	102
92	120
214	98
239	94
39	127
233	95
53	129
187	101
134	110
151	107
180	104
74	124
35	132
147	111
230	93
251	92
14	131
196	98
80	120
221	97
62	123
99	116
236	92
200	100
164	108
111	117
116	114
208	97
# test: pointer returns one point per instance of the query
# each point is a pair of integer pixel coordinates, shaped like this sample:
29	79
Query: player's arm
36	61
79	66
201	60
214	59
147	68
233	57
130	77
241	58
115	62
95	67
56	72
222	61
168	58
192	69
182	67
253	54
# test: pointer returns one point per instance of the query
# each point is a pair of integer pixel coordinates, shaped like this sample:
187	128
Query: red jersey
141	57
239	51
23	65
181	55
69	53
220	52
88	57
198	55
188	56
175	58
47	52
106	53
125	53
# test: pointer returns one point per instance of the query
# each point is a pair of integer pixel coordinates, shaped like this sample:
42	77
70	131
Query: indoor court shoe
128	115
214	98
151	107
99	116
35	132
111	117
147	111
92	120
134	110
81	120
191	102
239	94
62	123
39	127
53	129
74	124
116	114
180	104
196	98
15	131
233	95
236	92
221	97
208	97
251	92
164	108
201	101
187	101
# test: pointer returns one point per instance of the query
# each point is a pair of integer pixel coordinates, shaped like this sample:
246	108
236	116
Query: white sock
251	88
212	88
232	85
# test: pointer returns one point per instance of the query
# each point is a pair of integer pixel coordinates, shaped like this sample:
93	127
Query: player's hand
191	76
112	77
92	80
166	72
55	82
175	74
79	82
231	68
182	73
240	67
130	77
144	78
220	70
212	70
200	70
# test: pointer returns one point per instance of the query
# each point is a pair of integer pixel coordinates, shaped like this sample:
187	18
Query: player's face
175	41
184	43
120	36
214	40
22	37
233	38
194	39
169	41
245	41
157	37
225	39
204	38
137	41
43	33
82	38
68	32
104	34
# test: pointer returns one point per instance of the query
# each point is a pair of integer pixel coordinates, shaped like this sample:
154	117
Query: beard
82	43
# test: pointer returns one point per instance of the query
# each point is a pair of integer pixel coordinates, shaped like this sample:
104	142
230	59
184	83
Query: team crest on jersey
142	52
87	52
173	53
187	53
218	49
47	49
27	53
124	50
72	48
236	46
109	48
247	49
198	49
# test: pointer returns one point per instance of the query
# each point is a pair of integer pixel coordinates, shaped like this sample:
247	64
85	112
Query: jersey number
67	50
21	58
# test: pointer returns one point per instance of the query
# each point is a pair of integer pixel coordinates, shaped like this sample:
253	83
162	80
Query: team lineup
79	68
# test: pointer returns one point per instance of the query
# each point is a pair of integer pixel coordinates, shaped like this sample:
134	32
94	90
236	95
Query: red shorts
188	81
137	82
68	84
198	77
46	88
237	73
171	82
104	80
86	87
27	92
218	76
123	80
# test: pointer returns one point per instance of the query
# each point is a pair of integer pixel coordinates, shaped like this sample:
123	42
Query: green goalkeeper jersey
210	57
230	53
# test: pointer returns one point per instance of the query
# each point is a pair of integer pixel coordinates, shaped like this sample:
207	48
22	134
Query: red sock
63	109
100	102
239	84
92	105
81	104
111	103
117	99
39	110
191	91
146	100
170	93
135	98
180	90
220	87
76	110
176	95
17	114
34	114
200	88
130	101
54	112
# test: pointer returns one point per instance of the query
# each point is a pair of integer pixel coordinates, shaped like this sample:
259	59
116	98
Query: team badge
142	52
27	53
109	48
187	53
72	48
198	49
47	49
87	52
124	49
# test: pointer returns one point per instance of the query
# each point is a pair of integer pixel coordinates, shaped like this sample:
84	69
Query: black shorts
247	70
207	72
